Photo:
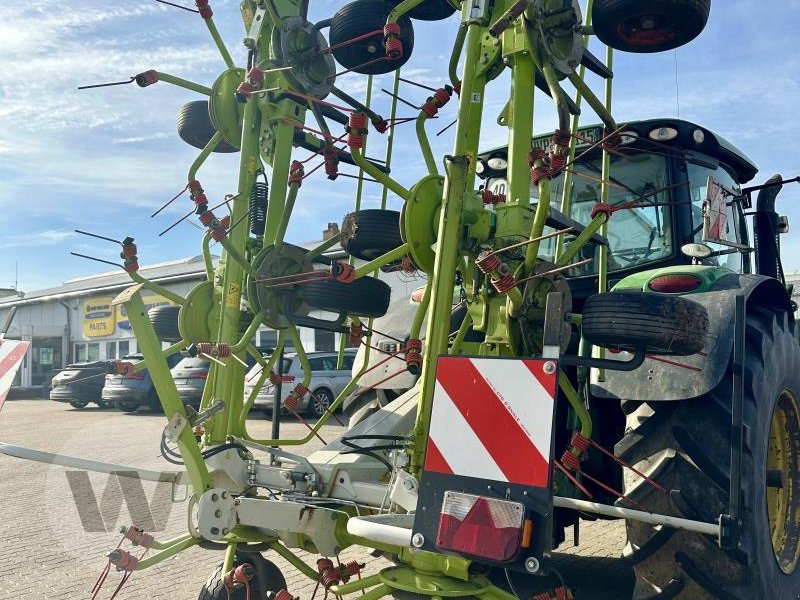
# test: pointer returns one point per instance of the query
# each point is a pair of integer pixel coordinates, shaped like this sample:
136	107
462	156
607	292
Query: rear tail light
135	376
674	284
482	527
199	375
287	378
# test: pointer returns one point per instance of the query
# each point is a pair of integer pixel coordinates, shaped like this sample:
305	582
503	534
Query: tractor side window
698	189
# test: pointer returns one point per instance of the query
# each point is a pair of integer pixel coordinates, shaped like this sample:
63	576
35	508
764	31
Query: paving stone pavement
51	550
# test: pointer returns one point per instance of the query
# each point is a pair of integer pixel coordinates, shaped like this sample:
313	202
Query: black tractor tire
364	297
685	446
370	233
129	406
362	17
196	129
78	404
658	323
644	26
268	579
320	402
164	319
431	10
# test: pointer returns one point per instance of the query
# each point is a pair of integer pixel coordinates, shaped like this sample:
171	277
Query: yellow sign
233	296
99	317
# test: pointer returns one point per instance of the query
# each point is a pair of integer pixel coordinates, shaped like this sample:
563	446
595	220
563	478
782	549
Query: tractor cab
664	175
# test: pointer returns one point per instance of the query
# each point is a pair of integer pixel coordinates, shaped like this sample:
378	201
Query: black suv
79	384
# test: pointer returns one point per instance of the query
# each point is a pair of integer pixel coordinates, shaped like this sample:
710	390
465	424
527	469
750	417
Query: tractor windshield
639	233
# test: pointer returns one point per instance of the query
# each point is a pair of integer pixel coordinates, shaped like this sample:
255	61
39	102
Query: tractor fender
662	378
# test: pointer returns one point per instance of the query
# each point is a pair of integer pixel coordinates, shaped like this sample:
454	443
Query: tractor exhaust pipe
765	228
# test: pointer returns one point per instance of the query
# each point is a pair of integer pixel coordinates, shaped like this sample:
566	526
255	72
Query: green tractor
594	339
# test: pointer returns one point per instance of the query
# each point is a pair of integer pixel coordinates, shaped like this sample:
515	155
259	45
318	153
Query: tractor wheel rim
783	501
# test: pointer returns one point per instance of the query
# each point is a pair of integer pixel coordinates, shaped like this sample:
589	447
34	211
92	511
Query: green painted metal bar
401	9
228	383
425	145
458	46
288	207
204	154
324	247
150	346
380	591
156	545
593	101
377	174
158	289
579	242
576	404
295	561
457	181
392	115
226	56
184	83
209	263
357	585
419	315
249	333
294	335
520	130
384	259
284	137
265	372
360	184
230	556
185	543
462	333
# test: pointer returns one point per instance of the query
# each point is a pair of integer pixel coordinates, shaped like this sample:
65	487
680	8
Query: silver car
326	381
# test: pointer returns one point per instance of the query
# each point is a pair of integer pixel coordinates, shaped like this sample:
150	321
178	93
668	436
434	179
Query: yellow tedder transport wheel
685	446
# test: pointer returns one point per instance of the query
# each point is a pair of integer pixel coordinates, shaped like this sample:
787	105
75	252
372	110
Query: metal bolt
225	531
549	367
214	531
224	495
218	513
531	564
409	484
417	540
214	497
249	42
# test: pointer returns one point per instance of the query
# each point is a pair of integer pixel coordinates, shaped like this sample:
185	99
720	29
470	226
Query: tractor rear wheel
268	580
649	25
685	446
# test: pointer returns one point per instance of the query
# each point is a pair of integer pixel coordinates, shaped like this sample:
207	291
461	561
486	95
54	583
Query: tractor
597	337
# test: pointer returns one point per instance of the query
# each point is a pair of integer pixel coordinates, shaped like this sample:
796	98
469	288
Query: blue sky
103	160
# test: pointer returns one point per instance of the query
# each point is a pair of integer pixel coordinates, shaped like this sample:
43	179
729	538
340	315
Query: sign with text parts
99	317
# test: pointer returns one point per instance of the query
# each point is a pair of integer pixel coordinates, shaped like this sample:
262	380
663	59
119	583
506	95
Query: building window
123	348
80	353
111	350
93	352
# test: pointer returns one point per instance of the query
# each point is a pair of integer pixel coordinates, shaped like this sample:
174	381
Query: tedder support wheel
649	25
364	297
164	319
195	126
685	446
366	56
658	323
431	10
268	580
369	233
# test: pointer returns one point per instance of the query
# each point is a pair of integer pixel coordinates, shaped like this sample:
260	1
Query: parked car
327	381
190	376
129	392
79	384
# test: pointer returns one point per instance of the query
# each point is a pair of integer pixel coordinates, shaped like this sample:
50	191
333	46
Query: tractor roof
687	137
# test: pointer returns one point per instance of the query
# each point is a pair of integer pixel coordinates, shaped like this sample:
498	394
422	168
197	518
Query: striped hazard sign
11	354
492	419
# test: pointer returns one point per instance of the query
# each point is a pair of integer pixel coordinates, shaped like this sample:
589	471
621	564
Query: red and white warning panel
488	457
11	354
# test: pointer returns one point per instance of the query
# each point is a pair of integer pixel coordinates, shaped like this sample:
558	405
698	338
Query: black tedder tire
367	234
685	446
164	319
658	323
649	25
268	578
431	10
364	297
361	17
195	127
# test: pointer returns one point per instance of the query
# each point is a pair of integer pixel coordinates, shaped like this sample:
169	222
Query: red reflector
674	284
482	527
